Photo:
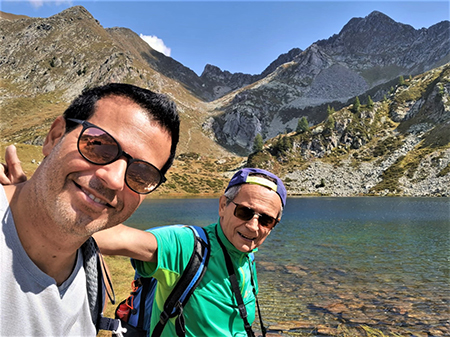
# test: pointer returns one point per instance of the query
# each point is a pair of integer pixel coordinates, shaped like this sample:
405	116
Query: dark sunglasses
98	147
246	213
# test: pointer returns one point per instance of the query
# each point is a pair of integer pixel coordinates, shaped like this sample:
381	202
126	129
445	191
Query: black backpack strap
236	289
186	285
95	285
263	328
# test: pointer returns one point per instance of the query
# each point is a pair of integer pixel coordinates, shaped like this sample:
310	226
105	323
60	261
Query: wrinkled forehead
261	196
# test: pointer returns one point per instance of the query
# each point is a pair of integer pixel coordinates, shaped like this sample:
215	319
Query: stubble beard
75	224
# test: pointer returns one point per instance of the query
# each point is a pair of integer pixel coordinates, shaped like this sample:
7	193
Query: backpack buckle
164	317
120	331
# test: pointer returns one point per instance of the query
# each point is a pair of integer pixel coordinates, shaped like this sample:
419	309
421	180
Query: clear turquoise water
383	262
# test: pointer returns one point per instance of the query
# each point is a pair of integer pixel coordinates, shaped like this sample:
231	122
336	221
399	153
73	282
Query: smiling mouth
93	197
246	237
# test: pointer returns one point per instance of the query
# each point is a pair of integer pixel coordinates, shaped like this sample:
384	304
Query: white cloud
40	3
36	3
157	44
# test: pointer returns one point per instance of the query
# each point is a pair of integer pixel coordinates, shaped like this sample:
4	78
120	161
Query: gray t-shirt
31	304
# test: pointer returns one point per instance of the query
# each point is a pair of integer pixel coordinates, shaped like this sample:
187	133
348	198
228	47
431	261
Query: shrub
369	102
356	105
258	143
283	145
303	125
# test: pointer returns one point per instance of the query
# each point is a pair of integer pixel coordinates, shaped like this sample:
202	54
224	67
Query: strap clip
120	331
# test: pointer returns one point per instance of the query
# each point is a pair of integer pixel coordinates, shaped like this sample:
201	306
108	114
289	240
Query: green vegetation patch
417	89
387	145
390	178
445	171
413	159
262	159
193	184
26	118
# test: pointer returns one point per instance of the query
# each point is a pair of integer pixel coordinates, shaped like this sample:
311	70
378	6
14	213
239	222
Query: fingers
16	174
11	172
4	180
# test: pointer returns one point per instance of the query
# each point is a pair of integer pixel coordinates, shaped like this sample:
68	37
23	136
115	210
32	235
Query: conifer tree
401	80
258	143
356	105
302	125
330	111
329	124
285	144
369	102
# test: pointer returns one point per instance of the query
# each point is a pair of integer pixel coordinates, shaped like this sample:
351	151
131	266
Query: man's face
247	235
83	198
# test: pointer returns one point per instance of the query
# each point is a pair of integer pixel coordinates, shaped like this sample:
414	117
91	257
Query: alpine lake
337	264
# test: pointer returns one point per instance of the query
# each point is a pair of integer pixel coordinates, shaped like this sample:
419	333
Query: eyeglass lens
99	147
245	213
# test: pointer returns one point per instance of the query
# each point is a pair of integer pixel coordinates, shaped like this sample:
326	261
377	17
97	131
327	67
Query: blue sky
234	35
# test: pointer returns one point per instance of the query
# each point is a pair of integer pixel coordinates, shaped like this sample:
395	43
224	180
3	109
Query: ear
55	134
222	205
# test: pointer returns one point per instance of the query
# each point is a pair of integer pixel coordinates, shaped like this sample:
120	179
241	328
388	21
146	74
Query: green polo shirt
212	310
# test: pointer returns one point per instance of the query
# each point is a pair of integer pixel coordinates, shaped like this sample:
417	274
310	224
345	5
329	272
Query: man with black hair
110	148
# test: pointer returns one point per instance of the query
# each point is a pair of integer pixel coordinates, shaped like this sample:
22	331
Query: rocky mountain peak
373	34
214	71
45	62
374	22
222	82
282	59
75	12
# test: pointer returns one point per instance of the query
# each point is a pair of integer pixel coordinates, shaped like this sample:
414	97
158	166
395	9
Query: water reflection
375	261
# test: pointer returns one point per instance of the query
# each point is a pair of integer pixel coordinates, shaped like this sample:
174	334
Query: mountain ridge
367	52
46	62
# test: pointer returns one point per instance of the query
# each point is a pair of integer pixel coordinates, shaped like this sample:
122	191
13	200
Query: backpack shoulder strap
187	283
95	285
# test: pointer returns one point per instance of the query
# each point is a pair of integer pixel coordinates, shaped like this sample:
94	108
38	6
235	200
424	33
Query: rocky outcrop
223	82
282	59
400	146
220	83
322	178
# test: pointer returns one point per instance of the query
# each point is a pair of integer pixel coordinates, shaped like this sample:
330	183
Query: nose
113	174
253	223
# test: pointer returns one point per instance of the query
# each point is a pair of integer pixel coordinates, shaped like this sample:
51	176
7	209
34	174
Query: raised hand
11	172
